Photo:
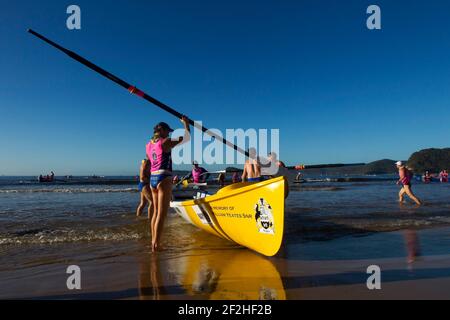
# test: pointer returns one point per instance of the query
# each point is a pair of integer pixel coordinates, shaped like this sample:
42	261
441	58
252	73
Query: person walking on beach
159	151
405	181
443	176
252	168
144	189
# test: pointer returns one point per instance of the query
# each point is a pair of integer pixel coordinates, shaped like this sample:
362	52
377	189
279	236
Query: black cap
162	125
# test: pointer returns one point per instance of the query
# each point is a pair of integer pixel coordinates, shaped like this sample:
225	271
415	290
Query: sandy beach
309	270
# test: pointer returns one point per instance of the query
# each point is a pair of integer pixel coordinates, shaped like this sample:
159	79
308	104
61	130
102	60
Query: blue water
45	227
34	213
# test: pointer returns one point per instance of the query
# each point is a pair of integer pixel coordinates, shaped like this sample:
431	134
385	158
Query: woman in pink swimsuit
159	152
405	181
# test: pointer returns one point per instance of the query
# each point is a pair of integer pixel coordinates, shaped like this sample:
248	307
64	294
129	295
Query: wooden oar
134	90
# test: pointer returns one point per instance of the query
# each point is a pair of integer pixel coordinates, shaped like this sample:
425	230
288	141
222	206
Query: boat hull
249	214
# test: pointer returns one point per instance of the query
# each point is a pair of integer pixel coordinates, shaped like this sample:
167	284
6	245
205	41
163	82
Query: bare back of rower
252	169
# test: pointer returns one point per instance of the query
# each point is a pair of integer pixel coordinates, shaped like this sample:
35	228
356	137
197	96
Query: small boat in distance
48	178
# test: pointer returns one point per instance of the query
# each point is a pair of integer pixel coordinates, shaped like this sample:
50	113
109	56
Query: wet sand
414	265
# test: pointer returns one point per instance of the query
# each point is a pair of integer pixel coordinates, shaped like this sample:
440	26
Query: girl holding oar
159	152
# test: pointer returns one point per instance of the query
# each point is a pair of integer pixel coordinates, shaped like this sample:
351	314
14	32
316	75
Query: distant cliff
433	160
385	166
380	167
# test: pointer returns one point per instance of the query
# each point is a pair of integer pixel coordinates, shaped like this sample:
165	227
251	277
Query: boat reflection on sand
236	274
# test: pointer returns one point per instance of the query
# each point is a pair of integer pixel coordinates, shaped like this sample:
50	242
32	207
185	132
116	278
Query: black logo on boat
264	217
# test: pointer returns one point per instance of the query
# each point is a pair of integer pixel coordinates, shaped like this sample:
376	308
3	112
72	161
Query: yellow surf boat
249	214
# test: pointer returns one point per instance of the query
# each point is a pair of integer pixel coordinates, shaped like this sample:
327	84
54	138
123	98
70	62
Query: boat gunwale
231	193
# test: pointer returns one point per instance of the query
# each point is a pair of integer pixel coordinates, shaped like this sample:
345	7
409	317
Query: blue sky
337	91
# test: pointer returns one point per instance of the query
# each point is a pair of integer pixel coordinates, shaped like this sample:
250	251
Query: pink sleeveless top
161	162
406	179
196	174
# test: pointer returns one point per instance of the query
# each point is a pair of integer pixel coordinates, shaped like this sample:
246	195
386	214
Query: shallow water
33	214
45	228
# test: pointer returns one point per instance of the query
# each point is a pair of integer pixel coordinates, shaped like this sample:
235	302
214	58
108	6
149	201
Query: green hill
380	167
433	160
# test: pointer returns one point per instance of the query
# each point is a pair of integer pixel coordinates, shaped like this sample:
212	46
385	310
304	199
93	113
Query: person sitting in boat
443	176
159	152
272	167
198	174
175	179
235	177
252	167
144	189
221	179
274	158
276	168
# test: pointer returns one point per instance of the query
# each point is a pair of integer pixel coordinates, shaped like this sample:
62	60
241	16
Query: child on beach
144	189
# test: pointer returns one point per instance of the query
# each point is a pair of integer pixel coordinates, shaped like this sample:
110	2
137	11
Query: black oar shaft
133	89
324	166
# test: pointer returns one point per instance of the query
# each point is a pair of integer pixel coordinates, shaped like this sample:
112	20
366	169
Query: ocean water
99	212
92	223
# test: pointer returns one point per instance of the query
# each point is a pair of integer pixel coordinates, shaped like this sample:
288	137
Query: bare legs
148	195
401	195
146	198
142	205
407	190
161	200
